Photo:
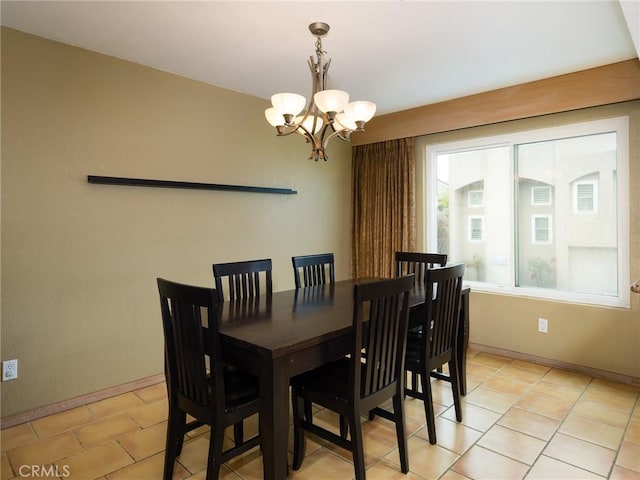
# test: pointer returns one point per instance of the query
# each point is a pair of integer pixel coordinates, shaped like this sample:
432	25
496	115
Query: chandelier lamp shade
328	114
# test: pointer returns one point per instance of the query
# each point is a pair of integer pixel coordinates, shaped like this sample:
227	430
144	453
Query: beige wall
605	339
79	261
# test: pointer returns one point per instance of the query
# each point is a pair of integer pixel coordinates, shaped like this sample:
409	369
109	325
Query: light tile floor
520	420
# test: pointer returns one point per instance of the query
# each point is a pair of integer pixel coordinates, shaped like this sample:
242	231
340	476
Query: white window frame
620	125
533	195
534	237
475	205
470	228
576	209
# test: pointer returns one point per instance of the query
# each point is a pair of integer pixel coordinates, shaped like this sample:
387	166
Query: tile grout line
476	443
616	451
636	404
557	429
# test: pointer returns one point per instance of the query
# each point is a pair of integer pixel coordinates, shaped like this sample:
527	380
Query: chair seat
330	381
241	388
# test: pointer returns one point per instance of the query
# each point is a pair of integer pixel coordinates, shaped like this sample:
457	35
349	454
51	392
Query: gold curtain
383	199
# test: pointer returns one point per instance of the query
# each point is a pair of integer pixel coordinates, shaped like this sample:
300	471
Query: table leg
274	418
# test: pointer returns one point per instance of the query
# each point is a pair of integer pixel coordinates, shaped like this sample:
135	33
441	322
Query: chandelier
329	113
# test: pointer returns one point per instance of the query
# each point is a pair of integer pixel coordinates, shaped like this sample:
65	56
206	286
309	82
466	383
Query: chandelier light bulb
308	123
344	122
331	100
288	103
274	117
360	111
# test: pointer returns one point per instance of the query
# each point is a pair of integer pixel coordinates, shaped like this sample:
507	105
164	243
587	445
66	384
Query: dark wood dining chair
437	342
371	375
243	278
418	263
198	383
315	269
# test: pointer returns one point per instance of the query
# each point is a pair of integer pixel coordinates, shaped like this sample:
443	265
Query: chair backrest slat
380	330
243	278
316	269
418	263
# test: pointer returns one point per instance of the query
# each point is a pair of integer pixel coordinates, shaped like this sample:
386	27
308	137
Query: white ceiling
399	54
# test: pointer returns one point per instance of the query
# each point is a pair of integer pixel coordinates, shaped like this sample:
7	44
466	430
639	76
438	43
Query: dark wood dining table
281	335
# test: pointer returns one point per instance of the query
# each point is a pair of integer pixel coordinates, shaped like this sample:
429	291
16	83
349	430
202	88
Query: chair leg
344	426
428	406
357	446
215	452
298	431
455	385
308	412
238	433
398	411
175	438
412	391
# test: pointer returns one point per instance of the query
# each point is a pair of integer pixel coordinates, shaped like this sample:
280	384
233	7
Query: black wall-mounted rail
143	182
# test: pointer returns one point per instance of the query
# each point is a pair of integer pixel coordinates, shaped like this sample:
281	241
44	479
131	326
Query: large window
539	213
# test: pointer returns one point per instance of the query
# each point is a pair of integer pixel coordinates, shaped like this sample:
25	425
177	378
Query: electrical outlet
9	370
543	325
